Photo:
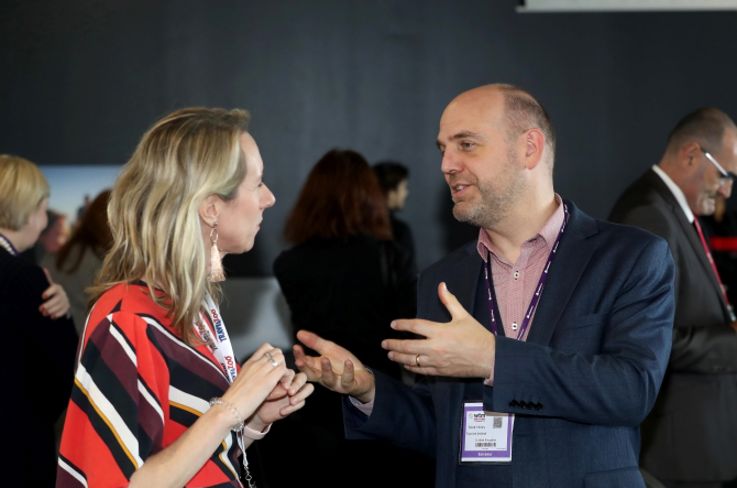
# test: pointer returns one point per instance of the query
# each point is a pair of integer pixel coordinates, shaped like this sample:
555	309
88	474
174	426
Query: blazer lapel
688	231
463	284
571	261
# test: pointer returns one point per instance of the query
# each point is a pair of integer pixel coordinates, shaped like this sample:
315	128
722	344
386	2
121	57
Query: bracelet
240	421
255	434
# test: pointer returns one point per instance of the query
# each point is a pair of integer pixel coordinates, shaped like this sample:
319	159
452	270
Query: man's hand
460	348
336	368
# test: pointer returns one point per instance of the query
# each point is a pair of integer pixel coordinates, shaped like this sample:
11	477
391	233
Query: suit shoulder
631	239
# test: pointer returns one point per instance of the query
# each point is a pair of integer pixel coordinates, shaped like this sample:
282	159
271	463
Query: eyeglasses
724	175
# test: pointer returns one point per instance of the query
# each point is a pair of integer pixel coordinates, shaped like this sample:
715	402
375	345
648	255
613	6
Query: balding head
521	111
706	126
701	147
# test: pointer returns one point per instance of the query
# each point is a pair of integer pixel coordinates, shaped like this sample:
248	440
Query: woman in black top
39	353
346	280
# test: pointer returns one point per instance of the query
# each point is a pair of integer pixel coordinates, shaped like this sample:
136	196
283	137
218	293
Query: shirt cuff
490	380
364	408
255	434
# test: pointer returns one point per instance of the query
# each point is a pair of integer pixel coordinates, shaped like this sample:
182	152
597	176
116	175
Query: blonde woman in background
40	336
158	400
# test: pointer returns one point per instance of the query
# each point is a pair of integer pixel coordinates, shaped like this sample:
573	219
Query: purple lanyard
488	277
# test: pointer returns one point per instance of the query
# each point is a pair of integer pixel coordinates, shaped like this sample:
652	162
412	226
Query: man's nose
725	188
449	163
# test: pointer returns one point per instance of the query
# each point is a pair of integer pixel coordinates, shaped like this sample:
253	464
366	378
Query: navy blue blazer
579	386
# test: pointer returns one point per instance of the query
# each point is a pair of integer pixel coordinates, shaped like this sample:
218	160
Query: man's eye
466	146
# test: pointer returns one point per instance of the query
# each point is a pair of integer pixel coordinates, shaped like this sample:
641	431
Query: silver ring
417	360
271	359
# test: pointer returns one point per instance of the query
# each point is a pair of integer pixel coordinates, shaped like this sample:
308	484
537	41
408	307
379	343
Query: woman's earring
216	264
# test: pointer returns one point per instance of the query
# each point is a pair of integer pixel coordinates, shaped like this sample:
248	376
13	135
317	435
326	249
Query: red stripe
723	244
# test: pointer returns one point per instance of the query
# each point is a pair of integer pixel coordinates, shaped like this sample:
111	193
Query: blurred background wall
81	80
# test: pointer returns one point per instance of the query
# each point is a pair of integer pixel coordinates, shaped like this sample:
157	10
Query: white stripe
224	455
72	472
151	400
123	343
108	410
183	345
183	398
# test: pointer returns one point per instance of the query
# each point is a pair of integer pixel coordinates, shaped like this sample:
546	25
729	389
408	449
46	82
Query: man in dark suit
690	438
541	370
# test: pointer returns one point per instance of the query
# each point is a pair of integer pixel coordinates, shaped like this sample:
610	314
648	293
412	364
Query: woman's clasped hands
265	390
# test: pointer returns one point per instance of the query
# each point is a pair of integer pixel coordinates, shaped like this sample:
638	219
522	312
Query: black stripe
181	375
125	465
109	383
182	416
175	346
116	308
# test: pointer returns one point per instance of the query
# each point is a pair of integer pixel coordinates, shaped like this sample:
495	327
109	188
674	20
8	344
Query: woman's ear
210	210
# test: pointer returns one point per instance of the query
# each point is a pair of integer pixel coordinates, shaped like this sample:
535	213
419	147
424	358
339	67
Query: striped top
137	388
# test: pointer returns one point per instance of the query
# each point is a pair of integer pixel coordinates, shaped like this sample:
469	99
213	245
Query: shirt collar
676	191
548	232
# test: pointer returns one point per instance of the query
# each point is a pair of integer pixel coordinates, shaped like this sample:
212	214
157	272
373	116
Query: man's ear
534	147
688	152
210	210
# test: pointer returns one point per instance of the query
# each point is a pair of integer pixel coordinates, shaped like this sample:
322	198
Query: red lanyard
711	262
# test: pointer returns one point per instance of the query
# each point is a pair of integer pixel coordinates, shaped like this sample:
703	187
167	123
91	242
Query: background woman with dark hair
346	280
78	261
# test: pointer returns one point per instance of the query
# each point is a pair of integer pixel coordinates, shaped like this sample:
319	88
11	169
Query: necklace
7	245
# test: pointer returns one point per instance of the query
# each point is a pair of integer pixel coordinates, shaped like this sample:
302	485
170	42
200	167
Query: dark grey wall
82	80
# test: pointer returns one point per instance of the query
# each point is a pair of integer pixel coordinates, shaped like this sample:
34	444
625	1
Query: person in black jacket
394	180
346	279
39	362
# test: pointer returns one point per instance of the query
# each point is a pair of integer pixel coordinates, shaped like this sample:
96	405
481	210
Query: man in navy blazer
550	350
690	438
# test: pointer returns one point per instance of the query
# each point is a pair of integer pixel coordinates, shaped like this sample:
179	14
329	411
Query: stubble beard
495	203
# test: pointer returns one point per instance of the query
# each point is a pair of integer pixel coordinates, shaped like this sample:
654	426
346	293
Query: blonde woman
34	317
158	399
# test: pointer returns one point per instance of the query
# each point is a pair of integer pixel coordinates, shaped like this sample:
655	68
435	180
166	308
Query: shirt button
514	325
516	274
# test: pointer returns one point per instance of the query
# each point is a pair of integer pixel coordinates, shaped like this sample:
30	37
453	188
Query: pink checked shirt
515	283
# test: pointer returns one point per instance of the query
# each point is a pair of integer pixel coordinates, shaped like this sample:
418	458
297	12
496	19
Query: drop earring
216	264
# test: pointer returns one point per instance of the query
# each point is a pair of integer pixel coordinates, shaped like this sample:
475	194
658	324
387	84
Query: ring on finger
271	359
417	360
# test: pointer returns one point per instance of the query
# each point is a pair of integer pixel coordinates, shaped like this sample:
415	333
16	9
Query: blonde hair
154	206
22	189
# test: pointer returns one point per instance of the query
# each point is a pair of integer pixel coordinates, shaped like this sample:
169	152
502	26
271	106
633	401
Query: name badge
486	436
